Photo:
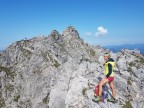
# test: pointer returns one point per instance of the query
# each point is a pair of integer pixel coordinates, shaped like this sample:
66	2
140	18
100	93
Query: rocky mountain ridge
61	71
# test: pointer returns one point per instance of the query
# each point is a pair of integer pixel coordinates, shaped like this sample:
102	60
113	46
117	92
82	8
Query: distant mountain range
116	48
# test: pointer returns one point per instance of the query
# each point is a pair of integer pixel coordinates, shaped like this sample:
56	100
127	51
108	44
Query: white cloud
88	33
101	31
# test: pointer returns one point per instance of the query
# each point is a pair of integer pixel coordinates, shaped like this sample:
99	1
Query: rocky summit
61	71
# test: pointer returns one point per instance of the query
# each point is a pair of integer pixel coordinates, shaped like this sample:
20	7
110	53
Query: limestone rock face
61	71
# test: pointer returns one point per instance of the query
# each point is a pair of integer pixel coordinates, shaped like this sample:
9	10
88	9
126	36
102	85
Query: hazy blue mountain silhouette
116	48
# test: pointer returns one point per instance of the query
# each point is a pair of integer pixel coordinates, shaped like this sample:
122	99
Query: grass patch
129	69
56	64
2	102
136	61
46	99
45	57
16	98
26	52
129	82
138	67
86	59
131	64
25	43
49	56
84	91
54	61
9	87
91	52
127	105
37	71
8	71
142	61
131	72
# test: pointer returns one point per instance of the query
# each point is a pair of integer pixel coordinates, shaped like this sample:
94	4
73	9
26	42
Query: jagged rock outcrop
60	71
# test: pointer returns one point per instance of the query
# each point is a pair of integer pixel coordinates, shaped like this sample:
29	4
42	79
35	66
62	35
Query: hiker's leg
103	81
113	88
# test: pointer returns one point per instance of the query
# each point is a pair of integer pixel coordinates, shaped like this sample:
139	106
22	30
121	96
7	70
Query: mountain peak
70	30
55	34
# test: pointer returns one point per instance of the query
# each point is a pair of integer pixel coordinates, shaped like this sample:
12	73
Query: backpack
104	91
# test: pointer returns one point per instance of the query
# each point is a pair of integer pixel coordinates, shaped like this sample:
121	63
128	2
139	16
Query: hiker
108	78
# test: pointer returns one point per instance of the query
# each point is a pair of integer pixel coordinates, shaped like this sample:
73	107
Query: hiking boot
97	99
112	100
95	95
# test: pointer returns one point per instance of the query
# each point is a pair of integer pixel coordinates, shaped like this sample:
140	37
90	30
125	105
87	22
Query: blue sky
104	22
